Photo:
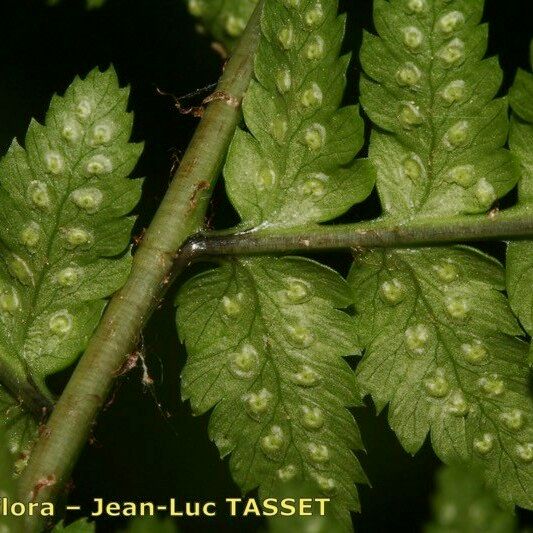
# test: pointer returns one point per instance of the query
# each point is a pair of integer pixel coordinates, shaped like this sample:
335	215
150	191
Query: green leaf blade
299	151
520	254
64	227
439	147
441	351
64	215
265	338
293	165
440	338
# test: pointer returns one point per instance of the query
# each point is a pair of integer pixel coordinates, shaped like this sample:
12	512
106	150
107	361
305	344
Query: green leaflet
439	147
520	254
296	165
265	338
439	335
440	349
463	503
225	20
63	225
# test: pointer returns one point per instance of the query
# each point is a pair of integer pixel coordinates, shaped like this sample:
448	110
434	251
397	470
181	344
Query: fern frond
265	339
439	334
266	336
296	164
463	503
520	254
440	349
439	147
225	20
64	226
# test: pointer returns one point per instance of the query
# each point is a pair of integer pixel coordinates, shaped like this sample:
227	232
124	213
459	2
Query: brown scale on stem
129	363
201	186
48	481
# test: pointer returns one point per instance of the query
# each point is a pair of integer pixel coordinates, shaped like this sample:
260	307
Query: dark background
147	445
